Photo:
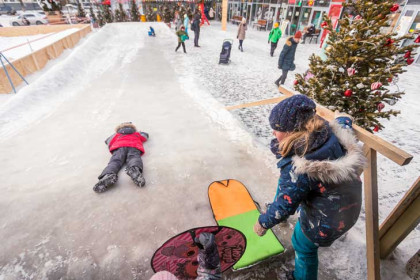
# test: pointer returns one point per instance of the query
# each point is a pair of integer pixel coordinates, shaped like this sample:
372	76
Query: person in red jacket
126	147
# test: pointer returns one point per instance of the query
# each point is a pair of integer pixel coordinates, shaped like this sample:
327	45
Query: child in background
182	36
126	146
274	37
151	32
320	164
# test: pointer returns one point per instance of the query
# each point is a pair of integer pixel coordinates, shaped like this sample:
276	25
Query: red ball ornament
407	54
376	129
295	82
324	24
395	7
409	61
351	71
417	40
381	106
389	80
348	93
358	17
389	42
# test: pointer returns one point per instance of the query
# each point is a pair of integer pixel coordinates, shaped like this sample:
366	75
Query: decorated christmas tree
92	14
362	64
100	14
134	11
80	11
108	15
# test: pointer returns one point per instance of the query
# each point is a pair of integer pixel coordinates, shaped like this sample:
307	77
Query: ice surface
52	148
51	142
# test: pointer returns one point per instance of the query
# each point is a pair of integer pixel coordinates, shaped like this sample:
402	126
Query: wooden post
372	221
224	14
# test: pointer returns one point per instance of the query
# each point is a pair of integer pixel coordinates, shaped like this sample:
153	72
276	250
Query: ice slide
52	149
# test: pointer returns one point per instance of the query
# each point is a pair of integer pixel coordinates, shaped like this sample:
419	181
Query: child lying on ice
126	146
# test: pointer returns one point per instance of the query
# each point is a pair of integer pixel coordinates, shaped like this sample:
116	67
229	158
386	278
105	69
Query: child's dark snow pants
306	256
129	155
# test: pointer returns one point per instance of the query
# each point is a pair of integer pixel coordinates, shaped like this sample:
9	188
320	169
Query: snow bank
85	63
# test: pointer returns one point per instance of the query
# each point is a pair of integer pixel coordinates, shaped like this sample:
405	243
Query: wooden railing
406	215
38	59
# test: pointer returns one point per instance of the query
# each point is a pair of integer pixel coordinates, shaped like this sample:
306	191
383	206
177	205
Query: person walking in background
211	13
182	36
186	23
320	165
195	26
274	37
310	30
241	33
287	57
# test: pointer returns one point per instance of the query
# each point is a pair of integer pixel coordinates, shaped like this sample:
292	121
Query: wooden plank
402	220
257	103
402	227
385	148
372	220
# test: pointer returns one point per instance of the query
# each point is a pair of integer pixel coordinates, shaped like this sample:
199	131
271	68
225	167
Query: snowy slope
52	136
250	77
52	144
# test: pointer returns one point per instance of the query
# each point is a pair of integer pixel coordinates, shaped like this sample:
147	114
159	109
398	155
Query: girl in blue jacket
320	164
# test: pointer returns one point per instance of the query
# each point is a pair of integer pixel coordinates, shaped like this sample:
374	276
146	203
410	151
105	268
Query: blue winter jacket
287	55
325	184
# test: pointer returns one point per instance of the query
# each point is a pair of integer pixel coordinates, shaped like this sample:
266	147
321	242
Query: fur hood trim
346	168
125	124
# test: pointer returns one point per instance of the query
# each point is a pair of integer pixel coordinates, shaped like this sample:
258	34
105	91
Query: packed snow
52	136
16	47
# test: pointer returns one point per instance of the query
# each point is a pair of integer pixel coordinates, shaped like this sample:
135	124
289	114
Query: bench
236	19
260	24
314	36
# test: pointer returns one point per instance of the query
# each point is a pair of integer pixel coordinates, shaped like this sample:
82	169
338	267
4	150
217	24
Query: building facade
299	13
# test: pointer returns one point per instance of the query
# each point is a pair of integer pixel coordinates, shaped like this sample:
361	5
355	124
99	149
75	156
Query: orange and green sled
234	207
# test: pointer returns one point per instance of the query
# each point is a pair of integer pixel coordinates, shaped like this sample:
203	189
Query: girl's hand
258	229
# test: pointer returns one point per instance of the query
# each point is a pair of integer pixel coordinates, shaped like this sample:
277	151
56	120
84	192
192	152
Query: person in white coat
186	22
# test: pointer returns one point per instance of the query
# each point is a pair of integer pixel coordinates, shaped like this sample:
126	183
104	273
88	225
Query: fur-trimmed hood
343	169
128	126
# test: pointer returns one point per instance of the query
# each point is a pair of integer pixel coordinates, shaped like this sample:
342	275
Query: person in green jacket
182	36
274	37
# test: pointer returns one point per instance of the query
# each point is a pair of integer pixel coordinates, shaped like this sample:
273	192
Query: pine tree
117	16
92	14
80	11
123	15
362	60
134	11
108	16
101	20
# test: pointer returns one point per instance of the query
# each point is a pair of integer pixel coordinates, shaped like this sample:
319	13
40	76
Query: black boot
136	175
105	182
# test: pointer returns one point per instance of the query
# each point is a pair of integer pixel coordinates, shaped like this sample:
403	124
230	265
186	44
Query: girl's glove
208	256
258	229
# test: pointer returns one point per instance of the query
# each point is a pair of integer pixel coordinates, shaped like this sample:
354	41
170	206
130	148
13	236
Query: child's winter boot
105	182
136	174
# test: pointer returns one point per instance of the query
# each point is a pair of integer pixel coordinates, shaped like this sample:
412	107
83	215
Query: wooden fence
38	59
405	216
36	29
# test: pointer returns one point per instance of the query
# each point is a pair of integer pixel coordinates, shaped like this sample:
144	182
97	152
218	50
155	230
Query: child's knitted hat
292	113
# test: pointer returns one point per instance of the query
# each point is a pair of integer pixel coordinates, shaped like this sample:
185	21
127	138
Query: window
416	24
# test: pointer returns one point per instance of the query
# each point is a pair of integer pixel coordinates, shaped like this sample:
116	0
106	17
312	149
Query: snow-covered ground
52	136
16	47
